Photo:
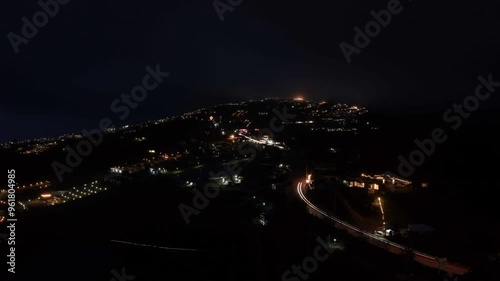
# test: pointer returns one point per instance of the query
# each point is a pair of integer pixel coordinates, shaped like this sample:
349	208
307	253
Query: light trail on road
154	246
430	260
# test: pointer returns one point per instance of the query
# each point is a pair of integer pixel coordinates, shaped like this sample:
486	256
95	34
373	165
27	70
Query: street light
308	180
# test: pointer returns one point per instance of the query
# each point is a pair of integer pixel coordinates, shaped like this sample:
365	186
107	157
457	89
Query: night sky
65	78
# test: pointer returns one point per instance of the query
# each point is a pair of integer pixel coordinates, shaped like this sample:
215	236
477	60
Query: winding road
422	258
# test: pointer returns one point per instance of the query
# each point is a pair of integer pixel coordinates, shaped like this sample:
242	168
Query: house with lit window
373	183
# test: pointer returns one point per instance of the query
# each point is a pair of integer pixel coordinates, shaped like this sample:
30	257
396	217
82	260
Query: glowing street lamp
308	180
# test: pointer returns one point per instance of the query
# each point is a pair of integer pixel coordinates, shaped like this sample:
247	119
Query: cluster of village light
86	190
